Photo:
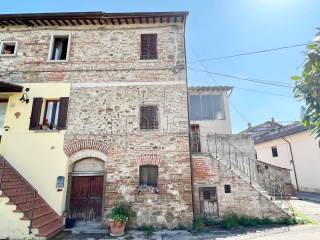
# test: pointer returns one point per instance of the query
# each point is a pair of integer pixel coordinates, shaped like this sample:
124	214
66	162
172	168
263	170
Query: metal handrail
6	163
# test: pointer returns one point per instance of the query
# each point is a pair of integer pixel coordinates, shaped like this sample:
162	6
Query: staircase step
19	194
44	220
51	229
13	187
38	215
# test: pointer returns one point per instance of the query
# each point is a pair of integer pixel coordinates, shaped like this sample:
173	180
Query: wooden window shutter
148	46
63	111
35	113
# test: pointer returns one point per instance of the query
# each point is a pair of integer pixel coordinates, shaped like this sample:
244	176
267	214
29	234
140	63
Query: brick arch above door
84	145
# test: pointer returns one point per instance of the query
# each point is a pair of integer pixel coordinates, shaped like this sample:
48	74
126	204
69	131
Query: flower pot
116	228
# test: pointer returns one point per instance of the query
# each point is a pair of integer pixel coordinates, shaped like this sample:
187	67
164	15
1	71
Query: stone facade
109	83
276	180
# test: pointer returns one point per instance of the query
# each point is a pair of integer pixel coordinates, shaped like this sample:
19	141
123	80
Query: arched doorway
87	189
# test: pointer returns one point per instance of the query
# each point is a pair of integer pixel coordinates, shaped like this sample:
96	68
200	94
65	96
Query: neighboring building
263	128
223	164
209	109
106	118
293	147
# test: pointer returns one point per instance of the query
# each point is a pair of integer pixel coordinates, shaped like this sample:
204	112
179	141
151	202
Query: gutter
189	125
292	161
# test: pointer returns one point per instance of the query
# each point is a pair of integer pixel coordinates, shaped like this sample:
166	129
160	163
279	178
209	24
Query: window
49	114
149	175
206	107
149	117
227	188
8	48
148	46
259	169
274	151
59	48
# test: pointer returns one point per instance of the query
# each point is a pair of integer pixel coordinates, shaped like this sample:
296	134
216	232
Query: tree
307	86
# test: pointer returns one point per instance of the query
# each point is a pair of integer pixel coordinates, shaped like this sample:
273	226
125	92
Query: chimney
249	125
302	112
272	119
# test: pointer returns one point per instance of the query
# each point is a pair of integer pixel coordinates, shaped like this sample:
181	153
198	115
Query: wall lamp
25	96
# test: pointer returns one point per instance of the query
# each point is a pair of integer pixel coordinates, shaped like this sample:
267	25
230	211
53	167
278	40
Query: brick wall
243	199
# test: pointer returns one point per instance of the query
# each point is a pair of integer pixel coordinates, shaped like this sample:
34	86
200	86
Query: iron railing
220	147
22	199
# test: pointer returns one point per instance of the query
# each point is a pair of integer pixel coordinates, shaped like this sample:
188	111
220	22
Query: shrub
230	220
121	213
198	224
147	229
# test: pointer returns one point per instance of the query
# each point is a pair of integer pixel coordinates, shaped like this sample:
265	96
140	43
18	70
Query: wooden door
209	201
195	138
86	198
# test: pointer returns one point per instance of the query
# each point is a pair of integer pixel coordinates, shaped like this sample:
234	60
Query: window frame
158	117
157	176
274	151
46	101
9	42
50	53
201	108
227	189
156	46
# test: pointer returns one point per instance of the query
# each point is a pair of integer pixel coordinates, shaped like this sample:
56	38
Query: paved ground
301	232
312	197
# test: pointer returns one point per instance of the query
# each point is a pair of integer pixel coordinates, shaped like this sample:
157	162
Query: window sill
145	189
153	60
57	61
7	55
46	130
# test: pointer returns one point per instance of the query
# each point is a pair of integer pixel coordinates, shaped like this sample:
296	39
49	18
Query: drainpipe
189	125
292	160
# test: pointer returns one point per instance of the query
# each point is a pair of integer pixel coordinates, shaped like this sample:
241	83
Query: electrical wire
255	80
250	53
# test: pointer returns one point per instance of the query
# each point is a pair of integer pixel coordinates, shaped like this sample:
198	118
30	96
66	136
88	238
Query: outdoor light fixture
25	97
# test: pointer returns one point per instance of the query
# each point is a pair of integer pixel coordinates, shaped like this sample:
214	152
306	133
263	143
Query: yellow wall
37	155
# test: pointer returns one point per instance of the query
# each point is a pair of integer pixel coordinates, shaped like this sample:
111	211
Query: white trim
118	84
51	48
15	48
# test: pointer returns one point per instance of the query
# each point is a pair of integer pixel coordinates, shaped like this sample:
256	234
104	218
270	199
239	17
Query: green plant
121	213
230	220
308	87
147	229
198	224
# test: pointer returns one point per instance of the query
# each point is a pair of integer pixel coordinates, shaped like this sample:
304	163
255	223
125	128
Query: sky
217	28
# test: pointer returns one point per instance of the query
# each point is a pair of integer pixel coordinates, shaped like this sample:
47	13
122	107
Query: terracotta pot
116	228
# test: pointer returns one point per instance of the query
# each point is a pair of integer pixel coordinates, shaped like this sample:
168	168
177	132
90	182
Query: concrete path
307	196
310	209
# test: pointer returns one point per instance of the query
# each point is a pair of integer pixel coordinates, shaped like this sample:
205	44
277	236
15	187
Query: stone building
97	104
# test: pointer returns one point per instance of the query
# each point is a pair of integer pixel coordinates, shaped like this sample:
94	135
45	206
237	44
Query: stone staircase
43	221
223	148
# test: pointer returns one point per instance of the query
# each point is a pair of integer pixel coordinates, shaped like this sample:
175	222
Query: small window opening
227	188
59	48
259	169
274	151
51	114
149	117
148	46
8	48
149	175
266	167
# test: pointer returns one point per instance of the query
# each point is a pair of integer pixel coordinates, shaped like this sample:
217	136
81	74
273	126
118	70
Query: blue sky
224	27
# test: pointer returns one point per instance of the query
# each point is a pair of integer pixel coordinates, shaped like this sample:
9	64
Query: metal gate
86	198
209	201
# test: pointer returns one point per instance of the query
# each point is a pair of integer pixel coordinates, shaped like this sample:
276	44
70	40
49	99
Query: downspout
189	125
292	160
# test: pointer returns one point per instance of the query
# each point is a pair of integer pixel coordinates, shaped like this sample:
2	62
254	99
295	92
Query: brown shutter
35	114
63	111
148	46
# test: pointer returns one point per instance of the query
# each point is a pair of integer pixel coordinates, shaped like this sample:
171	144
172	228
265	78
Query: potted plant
118	219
